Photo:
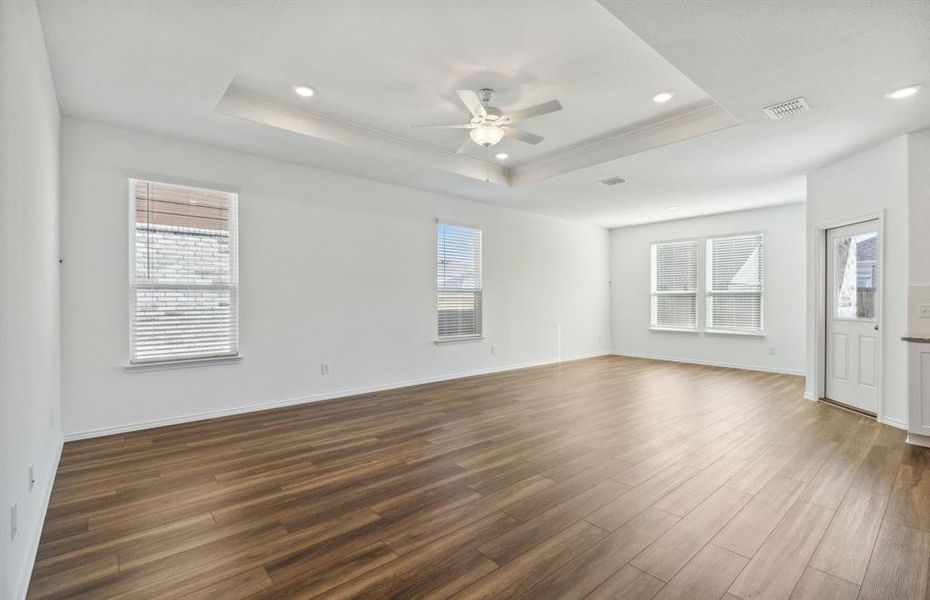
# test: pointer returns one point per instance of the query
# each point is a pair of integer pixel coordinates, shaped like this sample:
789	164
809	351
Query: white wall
783	227
861	185
29	291
918	145
331	268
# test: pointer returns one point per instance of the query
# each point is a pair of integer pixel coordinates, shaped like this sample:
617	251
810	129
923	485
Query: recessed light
501	156
663	97
304	91
905	92
674	207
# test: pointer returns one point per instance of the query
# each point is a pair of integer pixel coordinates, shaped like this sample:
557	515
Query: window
734	283
674	285
856	276
183	276
458	281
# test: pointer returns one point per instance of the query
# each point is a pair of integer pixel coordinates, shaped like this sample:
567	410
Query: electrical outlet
13	521
771	349
324	367
923	311
493	348
32	477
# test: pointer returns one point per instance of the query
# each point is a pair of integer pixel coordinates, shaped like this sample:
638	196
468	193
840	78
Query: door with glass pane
853	307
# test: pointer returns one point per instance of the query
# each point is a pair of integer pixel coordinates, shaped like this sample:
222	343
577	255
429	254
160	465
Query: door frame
820	302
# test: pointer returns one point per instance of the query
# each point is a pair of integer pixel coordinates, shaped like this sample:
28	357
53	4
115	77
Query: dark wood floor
602	478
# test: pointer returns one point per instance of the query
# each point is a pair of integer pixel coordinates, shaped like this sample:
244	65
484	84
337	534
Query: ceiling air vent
788	108
613	181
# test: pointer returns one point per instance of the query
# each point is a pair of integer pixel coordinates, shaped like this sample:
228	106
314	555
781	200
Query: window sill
162	365
760	334
673	330
456	340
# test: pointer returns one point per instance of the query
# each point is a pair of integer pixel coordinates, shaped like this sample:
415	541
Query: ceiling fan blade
462	126
472	103
523	136
533	111
465	143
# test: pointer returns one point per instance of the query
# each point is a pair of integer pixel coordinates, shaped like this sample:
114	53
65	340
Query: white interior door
853	307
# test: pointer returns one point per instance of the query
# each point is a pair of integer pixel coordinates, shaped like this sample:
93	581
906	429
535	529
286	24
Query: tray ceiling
220	73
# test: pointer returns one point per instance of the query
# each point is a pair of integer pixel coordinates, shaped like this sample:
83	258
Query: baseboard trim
709	363
885	420
892	422
918	440
227	412
26	576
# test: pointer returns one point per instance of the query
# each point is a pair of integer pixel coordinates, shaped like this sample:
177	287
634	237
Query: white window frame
703	288
655	293
134	365
709	292
479	293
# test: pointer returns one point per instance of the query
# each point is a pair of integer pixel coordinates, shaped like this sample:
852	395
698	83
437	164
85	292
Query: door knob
876	327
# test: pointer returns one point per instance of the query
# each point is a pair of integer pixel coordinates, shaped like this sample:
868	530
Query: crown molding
690	122
249	106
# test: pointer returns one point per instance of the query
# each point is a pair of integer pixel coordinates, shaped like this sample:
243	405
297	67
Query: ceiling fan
489	125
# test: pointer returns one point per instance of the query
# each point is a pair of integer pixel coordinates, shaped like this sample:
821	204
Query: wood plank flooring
603	478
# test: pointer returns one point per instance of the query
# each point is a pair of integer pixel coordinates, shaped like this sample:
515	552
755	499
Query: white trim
692	121
738	332
711	363
674	330
893	422
820	305
225	412
689	122
917	405
457	339
161	365
26	575
256	108
174	180
811	397
918	440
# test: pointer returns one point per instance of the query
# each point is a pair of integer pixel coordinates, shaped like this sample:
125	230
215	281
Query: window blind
183	276
458	281
674	284
735	283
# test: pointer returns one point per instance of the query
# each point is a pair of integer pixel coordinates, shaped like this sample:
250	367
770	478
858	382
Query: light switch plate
923	311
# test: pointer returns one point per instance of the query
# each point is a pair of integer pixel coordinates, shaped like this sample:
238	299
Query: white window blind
458	282
734	283
674	285
184	273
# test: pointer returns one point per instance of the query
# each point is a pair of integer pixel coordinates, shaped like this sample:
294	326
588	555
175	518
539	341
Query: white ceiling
164	66
389	65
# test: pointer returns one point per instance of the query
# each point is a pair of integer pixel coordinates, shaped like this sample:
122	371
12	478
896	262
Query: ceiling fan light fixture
486	135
